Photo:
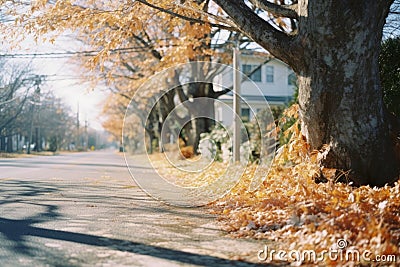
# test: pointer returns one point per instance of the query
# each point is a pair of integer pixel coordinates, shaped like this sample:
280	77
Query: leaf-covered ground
299	214
290	207
176	172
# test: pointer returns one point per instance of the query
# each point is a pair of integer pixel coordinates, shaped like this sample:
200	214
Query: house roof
258	98
256	53
269	98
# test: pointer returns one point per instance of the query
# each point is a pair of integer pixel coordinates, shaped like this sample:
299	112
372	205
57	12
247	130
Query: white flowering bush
218	143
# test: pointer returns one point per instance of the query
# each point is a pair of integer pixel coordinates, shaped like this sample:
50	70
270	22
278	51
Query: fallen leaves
178	174
291	208
297	213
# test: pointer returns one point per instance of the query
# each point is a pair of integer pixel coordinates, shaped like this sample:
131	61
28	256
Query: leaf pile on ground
300	214
176	171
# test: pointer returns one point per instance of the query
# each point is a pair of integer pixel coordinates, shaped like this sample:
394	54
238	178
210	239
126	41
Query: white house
273	81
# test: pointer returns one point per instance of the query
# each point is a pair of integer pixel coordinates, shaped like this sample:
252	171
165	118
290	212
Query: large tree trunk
340	96
202	112
334	50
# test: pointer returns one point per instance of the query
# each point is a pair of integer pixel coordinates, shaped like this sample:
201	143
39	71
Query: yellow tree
332	46
134	39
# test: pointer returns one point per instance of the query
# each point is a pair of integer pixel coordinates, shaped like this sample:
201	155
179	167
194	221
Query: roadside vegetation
335	175
302	206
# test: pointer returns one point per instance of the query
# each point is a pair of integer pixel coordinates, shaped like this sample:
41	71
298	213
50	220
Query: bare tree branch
280	44
185	17
204	12
288	11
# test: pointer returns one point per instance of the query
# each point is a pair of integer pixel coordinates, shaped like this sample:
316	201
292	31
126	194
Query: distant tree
16	90
57	125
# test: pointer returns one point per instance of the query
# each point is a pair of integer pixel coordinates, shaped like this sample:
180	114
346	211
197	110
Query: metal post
36	101
86	134
30	131
77	129
236	105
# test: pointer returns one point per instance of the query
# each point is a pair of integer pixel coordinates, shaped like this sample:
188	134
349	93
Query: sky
62	76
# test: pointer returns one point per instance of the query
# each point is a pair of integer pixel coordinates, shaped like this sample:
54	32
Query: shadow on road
18	229
15	230
40	163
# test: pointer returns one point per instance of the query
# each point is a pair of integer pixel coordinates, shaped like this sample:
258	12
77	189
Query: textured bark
335	54
340	96
288	11
202	112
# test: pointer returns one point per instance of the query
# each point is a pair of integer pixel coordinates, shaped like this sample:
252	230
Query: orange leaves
292	111
298	213
183	178
131	40
187	152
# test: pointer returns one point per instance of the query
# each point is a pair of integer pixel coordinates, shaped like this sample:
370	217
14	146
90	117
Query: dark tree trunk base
378	174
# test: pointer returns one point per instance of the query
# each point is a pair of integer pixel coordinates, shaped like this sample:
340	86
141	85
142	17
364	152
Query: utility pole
236	104
86	134
77	128
30	131
36	101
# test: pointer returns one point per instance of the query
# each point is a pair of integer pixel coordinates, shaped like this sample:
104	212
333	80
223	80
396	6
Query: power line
90	53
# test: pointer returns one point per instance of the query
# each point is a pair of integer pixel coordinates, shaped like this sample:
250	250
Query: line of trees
127	60
333	46
29	119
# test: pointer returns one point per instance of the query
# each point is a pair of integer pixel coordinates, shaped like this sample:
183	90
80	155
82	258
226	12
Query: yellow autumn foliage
300	214
296	212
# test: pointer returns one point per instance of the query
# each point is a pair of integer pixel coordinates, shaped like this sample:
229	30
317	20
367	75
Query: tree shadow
41	163
17	232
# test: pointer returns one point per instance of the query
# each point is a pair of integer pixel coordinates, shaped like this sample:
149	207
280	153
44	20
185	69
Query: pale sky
63	77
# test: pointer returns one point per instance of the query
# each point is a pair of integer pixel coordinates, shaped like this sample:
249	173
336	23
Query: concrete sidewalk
84	210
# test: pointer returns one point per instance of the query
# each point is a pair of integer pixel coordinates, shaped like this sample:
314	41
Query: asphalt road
83	209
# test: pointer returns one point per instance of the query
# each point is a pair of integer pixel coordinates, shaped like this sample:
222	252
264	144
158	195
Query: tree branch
182	96
174	14
288	11
222	92
280	44
230	88
153	51
204	12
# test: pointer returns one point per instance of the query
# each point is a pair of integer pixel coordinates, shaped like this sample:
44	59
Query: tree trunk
2	142
199	126
340	96
10	148
334	50
202	112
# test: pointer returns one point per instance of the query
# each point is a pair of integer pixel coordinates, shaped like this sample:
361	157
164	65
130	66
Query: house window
256	75
245	114
291	79
270	74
